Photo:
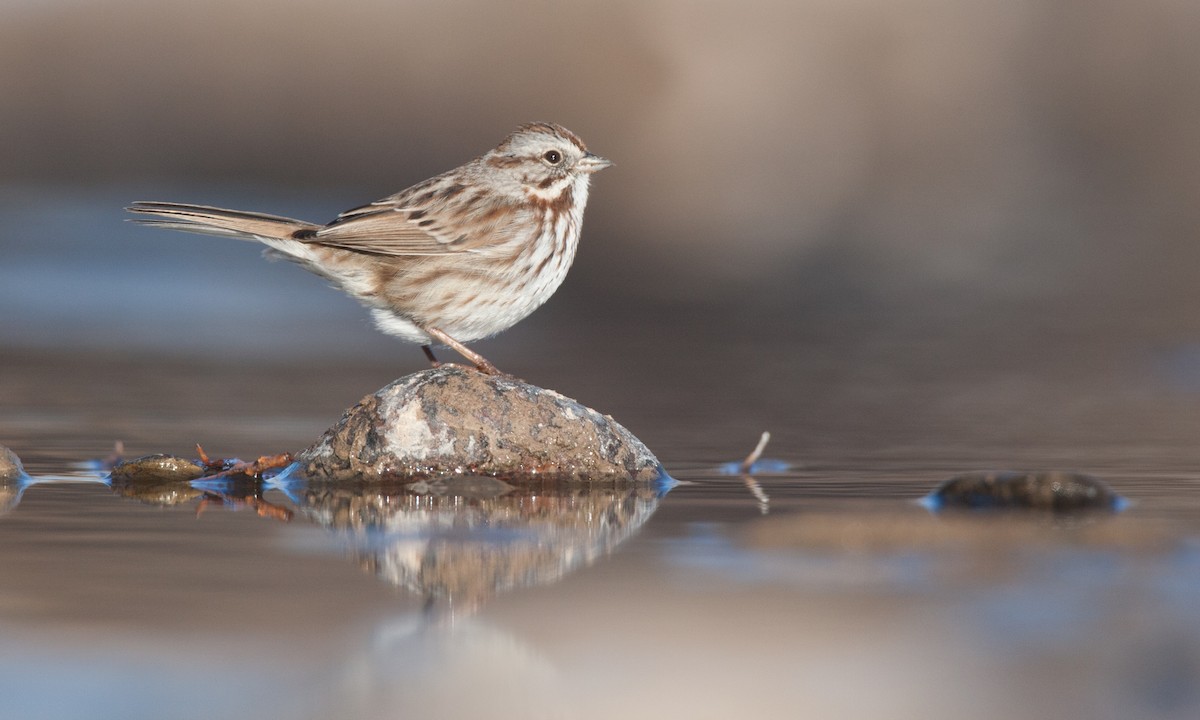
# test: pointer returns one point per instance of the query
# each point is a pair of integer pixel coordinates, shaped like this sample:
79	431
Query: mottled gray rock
456	420
10	465
1056	491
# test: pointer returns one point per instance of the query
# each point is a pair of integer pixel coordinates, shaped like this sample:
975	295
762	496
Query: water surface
844	599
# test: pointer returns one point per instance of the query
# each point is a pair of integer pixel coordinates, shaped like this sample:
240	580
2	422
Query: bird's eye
553	157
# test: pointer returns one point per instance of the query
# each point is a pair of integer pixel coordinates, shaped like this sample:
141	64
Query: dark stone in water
12	479
1055	491
453	420
157	479
156	468
10	465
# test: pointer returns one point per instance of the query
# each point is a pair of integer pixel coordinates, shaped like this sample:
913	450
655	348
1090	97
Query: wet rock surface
10	465
456	420
156	468
1054	491
12	477
158	479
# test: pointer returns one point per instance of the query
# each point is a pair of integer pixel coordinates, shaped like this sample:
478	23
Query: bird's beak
590	163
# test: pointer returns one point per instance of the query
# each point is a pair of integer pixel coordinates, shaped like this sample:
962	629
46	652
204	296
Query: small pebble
157	479
10	465
156	469
12	480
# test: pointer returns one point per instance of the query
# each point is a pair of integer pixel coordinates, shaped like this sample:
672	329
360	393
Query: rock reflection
458	541
454	541
10	493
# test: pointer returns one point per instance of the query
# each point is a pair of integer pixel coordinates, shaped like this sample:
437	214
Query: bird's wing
433	218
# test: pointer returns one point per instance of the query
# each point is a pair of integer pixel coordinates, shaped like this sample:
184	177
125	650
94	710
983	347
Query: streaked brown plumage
459	257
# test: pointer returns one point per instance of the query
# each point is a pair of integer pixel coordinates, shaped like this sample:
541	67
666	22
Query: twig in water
219	467
752	484
209	464
756	453
254	469
260	506
756	490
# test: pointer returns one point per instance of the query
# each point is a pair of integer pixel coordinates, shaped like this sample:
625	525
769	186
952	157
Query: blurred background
933	213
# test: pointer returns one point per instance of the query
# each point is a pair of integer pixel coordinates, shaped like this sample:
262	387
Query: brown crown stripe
552	129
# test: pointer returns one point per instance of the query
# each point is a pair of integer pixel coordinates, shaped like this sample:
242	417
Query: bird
456	258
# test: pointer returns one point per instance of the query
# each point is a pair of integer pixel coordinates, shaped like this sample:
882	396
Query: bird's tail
217	221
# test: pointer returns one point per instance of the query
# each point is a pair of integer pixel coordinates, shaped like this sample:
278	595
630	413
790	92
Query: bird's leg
481	363
429	354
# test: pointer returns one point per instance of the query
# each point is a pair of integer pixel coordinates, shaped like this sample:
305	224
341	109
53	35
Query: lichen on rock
456	420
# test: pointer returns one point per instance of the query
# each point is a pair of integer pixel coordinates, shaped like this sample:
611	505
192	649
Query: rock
456	420
10	465
157	479
12	480
155	469
1056	491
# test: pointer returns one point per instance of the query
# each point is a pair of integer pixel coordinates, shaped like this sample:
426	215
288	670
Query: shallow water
841	597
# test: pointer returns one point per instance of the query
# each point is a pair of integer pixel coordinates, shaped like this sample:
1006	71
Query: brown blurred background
964	144
999	183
